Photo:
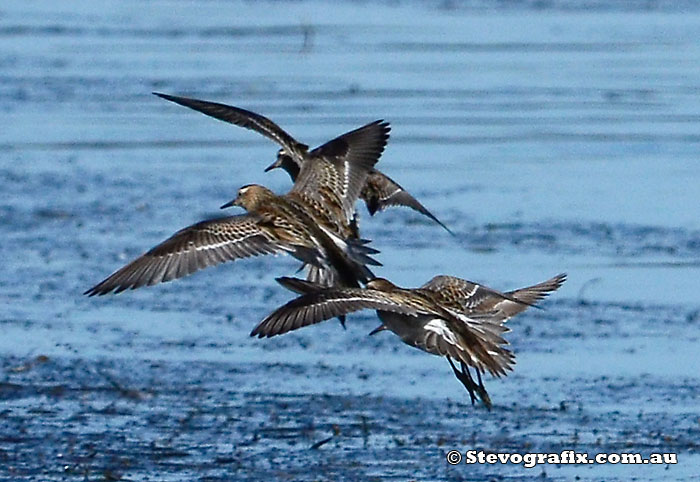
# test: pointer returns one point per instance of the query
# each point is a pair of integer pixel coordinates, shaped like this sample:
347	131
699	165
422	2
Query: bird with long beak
379	191
447	316
298	223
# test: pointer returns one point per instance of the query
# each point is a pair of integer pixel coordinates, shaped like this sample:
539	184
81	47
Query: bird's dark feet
473	388
480	389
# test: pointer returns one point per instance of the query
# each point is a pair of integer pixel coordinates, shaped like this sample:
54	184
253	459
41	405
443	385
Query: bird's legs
481	389
466	380
465	377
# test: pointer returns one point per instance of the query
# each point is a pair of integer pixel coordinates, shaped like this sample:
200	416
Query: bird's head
286	162
381	284
250	197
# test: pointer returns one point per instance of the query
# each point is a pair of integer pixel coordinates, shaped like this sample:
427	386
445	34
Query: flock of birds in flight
316	223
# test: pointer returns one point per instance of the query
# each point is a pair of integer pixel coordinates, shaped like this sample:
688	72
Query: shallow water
549	139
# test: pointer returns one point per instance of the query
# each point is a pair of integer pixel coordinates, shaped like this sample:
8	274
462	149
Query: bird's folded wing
193	248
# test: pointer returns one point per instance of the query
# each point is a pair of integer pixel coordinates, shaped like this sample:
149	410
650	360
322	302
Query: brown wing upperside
467	296
323	304
195	247
475	299
333	175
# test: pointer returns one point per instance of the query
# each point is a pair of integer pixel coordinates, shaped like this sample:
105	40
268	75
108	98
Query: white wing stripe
388	196
437	325
223	243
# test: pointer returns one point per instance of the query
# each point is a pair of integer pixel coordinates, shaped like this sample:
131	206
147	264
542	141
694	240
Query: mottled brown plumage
311	222
379	191
451	317
273	224
332	177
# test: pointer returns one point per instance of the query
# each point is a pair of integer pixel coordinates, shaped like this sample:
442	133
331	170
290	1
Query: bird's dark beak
233	202
377	330
274	165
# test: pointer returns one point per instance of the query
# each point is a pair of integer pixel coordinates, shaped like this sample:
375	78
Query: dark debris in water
66	419
620	241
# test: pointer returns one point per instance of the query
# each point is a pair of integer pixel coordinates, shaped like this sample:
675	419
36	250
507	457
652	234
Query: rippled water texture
550	136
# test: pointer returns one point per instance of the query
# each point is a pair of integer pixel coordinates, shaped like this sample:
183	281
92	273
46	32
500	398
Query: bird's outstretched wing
466	295
533	294
381	192
243	118
324	304
204	244
475	299
331	178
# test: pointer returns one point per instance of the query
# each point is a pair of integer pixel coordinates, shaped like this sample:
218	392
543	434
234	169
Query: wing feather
481	302
243	118
193	248
324	304
469	297
333	175
381	192
464	343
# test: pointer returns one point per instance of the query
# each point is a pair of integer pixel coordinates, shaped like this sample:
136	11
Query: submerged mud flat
548	139
113	419
297	408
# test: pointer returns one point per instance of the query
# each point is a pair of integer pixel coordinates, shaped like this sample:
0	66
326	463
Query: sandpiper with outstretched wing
447	316
299	223
379	191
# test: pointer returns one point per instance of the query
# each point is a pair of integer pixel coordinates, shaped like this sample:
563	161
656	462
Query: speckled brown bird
379	191
447	316
309	222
